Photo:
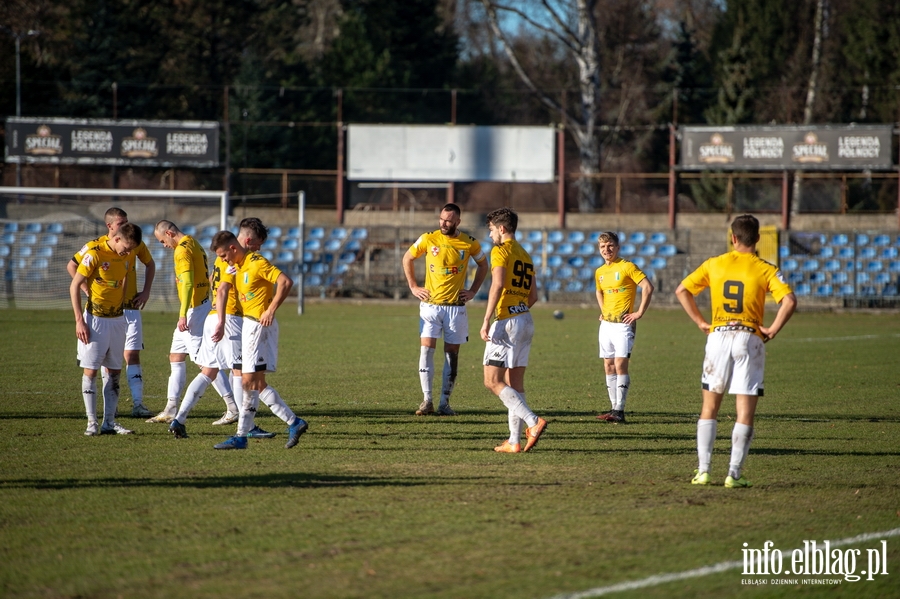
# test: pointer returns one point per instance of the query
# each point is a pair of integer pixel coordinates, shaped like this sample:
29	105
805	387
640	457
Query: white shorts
188	342
259	347
134	334
227	352
510	342
735	357
106	345
616	339
449	322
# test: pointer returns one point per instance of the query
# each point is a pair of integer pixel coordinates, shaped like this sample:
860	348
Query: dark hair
114	214
452	208
222	240
254	224
608	237
506	217
746	229
131	232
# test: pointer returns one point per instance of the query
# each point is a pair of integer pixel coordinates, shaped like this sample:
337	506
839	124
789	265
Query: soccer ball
558	315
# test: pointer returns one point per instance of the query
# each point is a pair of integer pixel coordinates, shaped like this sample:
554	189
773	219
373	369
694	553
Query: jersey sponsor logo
616	290
519	308
435	250
87	261
780	276
104	266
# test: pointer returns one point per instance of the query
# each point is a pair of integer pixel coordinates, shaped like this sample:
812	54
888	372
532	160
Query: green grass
375	502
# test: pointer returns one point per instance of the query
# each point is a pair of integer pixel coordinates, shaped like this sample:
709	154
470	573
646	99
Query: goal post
43	227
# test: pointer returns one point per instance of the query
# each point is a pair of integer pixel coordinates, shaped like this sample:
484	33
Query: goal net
43	227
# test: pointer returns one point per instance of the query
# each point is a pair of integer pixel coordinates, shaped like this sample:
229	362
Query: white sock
237	388
706	438
622	391
515	425
515	404
89	395
193	394
110	397
177	379
248	412
741	436
270	397
135	377
426	370
222	385
449	376
611	384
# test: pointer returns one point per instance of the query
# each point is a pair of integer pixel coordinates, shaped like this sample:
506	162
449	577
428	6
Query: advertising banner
37	140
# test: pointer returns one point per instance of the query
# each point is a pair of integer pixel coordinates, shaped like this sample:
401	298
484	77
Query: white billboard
450	153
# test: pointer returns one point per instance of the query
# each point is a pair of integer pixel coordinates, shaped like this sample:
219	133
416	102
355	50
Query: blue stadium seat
565	272
832	265
4	251
882	240
824	291
817	277
594	237
312	245
874	266
33	228
553	285
537	259
888	252
204	242
586	273
308	256
316	233
158	253
790	264
544	247
802	289
826	252
28	239
894	266
44	251
527	246
341	268
23	251
189	230
313	280
862	239
889	290
862	277
347	258
209	231
658	238
555	236
596	262
839	239
339	233
534	236
293	233
846	252
867	253
783	251
809	265
147	231
56	228
40	263
839	278
575	261
867	290
270	244
651	274
359	234
648	249
10	227
637	237
626	250
565	249
50	239
640	262
574	286
882	278
319	268
554	261
274	232
575	237
795	278
290	243
284	256
658	263
847	290
668	250
587	249
267	254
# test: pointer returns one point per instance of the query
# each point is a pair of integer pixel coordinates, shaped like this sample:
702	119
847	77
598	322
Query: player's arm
409	269
498	275
141	299
646	293
81	329
480	275
599	293
686	298
283	286
532	293
72	268
785	311
221	303
187	291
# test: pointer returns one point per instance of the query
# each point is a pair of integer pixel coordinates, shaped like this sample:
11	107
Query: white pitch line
854	338
659	579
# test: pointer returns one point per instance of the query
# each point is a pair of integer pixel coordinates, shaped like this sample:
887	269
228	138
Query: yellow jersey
738	282
224	273
140	252
518	280
190	258
446	263
255	283
617	283
106	272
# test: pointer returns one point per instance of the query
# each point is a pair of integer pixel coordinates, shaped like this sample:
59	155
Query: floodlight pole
301	209
18	37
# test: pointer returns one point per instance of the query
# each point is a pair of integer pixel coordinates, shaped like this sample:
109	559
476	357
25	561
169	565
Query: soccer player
220	348
134	303
192	282
261	289
442	312
616	282
100	327
735	357
513	292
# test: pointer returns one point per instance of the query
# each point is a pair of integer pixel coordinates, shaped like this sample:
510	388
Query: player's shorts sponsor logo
520	308
733	326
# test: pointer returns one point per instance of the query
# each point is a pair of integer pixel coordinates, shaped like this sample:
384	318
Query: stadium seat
596	262
565	272
544	247
293	233
586	249
27	239
810	265
839	239
894	266
846	252
50	239
555	236
204	242
824	291
209	231
862	239
359	234
312	245
795	278
553	285
40	263
574	286
651	274
874	266
290	244
23	251
867	253
189	230
840	277
658	238
594	237
648	249
882	240
318	268
274	233
637	238
658	263
882	278
43	251
888	252
802	289
332	245
267	254
158	254
270	244
668	250
575	237
862	277
586	273
554	261
640	262
867	290
527	246
285	256
783	251
10	227
832	265
347	258
56	228
341	268
826	252
790	264
534	236
33	228
575	261
4	251
313	280
627	249
339	233
847	290
537	259
889	290
816	278
565	249
308	257
316	233
147	231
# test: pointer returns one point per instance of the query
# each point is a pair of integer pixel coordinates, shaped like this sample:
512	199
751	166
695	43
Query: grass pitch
375	502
